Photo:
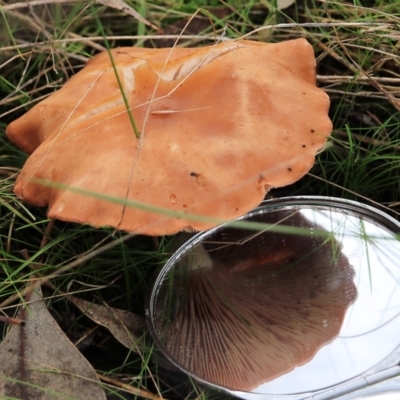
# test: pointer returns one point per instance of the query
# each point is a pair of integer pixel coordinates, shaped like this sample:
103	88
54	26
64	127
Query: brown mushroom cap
219	126
264	307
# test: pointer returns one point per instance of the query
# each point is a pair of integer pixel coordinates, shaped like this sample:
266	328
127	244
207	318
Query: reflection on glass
370	331
242	308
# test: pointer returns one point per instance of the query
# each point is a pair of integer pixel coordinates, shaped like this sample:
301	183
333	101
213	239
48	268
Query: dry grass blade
80	261
130	389
34	3
117	4
121	5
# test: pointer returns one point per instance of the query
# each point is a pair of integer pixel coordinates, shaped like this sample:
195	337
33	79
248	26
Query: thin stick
368	140
379	205
33	3
318	25
352	78
86	335
47	232
138	392
392	99
11	321
338	57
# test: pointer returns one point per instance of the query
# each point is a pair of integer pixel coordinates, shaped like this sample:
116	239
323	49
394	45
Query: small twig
12	321
27	21
86	335
33	80
24	4
10	229
156	242
43	29
370	95
318	25
338	57
375	50
368	140
392	99
352	78
128	10
138	392
36	100
378	205
101	38
47	232
15	98
95	45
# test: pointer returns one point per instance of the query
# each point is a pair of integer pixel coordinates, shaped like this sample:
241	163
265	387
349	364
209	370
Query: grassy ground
42	45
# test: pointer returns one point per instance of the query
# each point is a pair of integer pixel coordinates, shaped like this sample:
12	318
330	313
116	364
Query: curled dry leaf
125	326
39	362
219	126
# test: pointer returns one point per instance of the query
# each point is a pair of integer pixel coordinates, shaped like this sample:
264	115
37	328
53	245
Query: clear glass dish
299	299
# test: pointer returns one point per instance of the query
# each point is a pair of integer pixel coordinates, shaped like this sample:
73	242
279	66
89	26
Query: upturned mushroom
241	309
217	127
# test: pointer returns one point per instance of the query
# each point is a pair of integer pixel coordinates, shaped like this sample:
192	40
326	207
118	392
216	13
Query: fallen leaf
125	326
39	362
121	5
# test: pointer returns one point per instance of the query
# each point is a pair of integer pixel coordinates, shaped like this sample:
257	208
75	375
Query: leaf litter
125	326
40	362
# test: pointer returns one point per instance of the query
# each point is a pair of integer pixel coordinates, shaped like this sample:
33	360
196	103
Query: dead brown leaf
39	362
125	326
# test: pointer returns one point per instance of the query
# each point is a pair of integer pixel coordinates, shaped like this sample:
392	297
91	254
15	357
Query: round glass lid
300	295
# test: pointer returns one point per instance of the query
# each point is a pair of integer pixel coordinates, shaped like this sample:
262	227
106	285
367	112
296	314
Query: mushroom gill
242	309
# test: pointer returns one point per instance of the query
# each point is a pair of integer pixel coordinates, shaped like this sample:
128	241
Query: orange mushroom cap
243	308
219	126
